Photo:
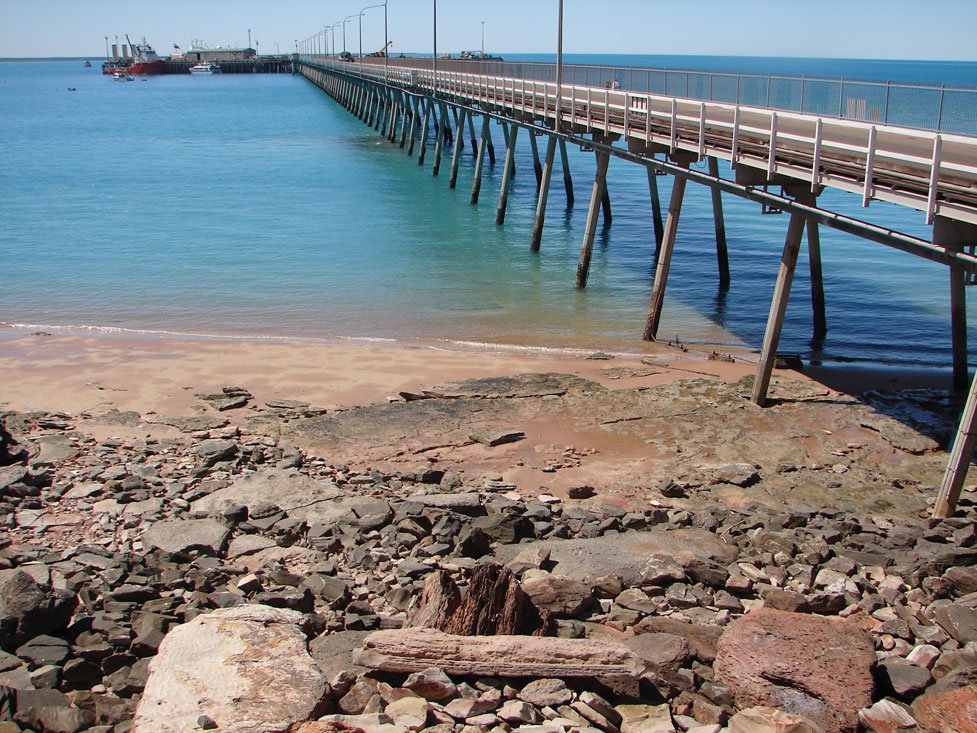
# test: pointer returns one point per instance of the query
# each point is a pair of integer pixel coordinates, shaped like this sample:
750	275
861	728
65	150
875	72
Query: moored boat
145	61
205	68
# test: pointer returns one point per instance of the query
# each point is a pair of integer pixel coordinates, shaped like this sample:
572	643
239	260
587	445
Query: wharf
273	65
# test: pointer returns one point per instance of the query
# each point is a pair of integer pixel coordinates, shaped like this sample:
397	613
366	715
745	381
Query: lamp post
249	38
434	58
346	20
559	69
369	7
332	30
483	40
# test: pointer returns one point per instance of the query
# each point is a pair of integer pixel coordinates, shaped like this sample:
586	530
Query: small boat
88	64
205	69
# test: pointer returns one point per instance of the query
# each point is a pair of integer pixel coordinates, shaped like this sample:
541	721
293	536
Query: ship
144	61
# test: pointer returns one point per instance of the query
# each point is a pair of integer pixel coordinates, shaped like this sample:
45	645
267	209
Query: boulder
950	704
628	554
28	609
299	495
562	597
814	667
246	667
769	720
178	537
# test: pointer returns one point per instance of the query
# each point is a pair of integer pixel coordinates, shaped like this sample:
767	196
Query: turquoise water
254	205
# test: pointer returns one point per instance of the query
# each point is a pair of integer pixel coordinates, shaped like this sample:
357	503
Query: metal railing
920	107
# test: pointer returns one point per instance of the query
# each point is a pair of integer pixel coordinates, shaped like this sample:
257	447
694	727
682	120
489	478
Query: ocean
255	206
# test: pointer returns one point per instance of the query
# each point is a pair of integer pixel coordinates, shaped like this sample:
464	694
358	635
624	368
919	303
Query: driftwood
493	604
414	650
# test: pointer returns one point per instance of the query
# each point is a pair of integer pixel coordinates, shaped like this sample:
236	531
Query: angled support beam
480	160
817	280
664	254
412	136
425	125
567	177
510	166
544	192
471	132
459	142
656	209
722	253
590	229
778	305
536	164
442	134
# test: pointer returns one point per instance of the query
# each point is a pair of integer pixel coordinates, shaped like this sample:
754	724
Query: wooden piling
471	132
817	280
544	192
456	152
958	328
590	230
480	160
961	456
428	112
567	178
656	209
442	131
778	308
510	164
722	253
665	255
537	167
413	127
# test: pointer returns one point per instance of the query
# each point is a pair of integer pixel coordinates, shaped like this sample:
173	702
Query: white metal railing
929	171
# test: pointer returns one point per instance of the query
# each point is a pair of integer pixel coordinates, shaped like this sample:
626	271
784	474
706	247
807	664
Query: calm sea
254	205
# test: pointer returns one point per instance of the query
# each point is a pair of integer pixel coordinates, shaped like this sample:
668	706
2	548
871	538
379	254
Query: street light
369	7
559	70
434	59
483	40
346	20
332	30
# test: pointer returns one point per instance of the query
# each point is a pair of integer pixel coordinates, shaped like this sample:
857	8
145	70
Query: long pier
801	153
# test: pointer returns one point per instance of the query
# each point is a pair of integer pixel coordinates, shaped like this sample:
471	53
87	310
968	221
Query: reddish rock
950	704
811	666
702	639
562	597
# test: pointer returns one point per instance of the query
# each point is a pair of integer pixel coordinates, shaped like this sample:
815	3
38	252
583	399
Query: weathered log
438	600
414	650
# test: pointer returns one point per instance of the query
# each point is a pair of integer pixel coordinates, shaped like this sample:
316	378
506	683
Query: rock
886	716
964	579
546	693
518	712
581	492
333	652
179	537
468	503
300	496
769	720
958	621
493	439
637	718
703	640
806	665
904	678
246	667
44	649
626	554
562	597
950	704
414	708
737	474
432	684
215	451
50	711
412	650
659	651
28	608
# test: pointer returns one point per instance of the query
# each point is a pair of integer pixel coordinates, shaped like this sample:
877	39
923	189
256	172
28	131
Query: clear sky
895	29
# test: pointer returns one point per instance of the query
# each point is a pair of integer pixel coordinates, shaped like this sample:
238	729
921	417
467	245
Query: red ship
144	61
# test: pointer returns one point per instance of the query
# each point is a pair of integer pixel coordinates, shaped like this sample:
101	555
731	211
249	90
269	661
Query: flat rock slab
247	668
807	665
415	650
175	536
950	704
299	495
628	555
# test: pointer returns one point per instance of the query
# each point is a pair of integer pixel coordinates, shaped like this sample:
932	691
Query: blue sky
901	29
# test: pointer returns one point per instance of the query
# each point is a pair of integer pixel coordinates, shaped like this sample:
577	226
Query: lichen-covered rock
814	667
247	668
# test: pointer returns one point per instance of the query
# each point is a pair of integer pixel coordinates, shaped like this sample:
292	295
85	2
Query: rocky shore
217	576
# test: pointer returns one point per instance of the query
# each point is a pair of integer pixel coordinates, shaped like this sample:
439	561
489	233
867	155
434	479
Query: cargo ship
144	61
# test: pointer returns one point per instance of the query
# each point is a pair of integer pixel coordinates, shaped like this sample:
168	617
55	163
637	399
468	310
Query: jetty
915	147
